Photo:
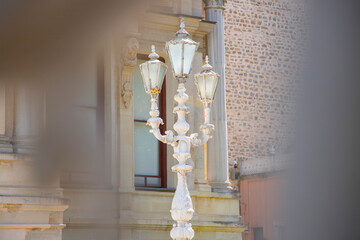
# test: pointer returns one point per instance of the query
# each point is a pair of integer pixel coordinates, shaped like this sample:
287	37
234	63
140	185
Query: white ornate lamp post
181	52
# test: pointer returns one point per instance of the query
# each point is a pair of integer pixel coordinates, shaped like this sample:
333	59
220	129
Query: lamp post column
218	170
181	51
181	207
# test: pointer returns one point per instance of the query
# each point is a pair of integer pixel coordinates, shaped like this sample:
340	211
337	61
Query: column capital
220	4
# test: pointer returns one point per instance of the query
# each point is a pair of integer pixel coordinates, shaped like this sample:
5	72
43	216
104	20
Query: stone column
218	172
6	117
126	63
29	116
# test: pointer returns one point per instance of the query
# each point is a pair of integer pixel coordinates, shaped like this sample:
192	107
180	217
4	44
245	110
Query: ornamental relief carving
129	56
129	61
126	90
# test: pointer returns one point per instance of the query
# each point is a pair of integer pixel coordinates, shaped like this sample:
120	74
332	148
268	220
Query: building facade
117	184
262	46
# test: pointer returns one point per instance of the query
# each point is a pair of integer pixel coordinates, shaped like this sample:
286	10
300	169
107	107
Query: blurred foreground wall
77	160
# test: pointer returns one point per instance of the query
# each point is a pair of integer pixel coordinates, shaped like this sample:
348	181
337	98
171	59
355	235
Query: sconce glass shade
181	51
206	82
153	73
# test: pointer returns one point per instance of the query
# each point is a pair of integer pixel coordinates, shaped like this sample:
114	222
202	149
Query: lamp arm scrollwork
205	128
155	122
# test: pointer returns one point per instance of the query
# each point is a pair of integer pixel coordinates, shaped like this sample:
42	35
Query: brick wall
261	52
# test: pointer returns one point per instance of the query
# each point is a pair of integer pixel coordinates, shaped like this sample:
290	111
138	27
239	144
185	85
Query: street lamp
206	82
153	73
181	52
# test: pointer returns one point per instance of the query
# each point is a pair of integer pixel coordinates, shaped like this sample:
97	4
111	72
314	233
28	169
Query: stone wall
261	53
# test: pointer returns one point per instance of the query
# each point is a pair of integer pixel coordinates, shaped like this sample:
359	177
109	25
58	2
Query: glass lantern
181	51
153	73
206	82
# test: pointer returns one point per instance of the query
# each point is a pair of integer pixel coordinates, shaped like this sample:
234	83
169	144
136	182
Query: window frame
161	146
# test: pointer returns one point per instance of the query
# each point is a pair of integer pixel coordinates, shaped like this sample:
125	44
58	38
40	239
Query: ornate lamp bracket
129	61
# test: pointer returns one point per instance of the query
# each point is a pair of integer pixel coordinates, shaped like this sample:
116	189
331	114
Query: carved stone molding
214	4
129	61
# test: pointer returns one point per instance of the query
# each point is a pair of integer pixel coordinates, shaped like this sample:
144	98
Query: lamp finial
153	55
182	32
206	66
182	23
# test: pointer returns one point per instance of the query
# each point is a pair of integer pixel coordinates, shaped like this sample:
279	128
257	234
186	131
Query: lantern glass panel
145	76
189	52
153	75
209	86
175	54
162	75
201	86
154	72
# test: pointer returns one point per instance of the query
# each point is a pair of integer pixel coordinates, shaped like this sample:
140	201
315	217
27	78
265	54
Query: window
258	233
149	153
